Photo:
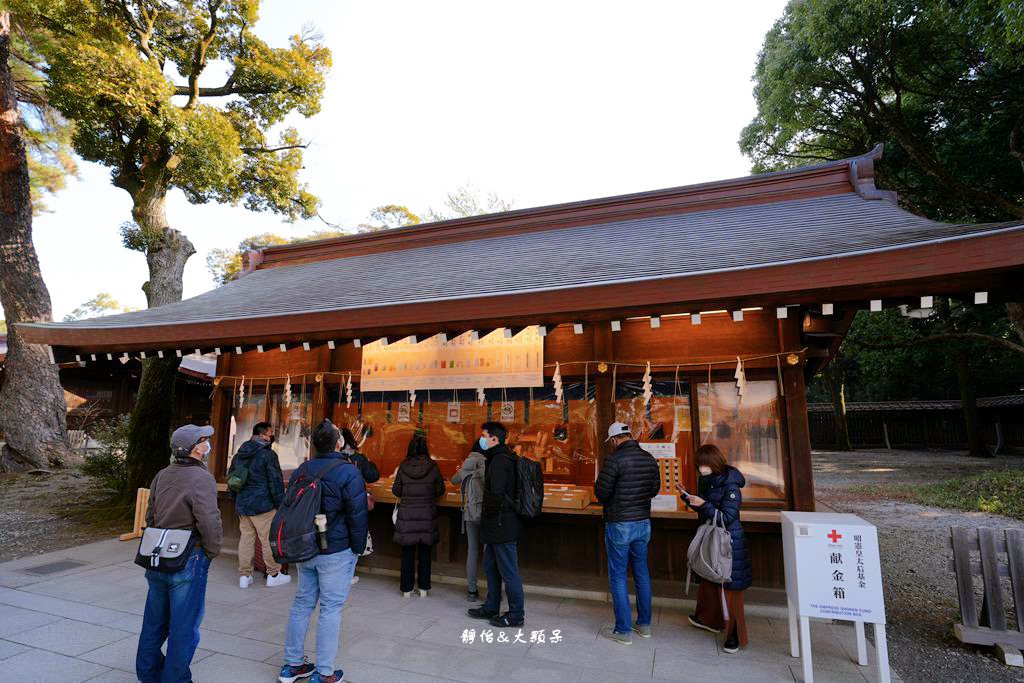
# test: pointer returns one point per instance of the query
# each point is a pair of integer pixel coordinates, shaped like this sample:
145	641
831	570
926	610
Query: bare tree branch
973	336
199	61
269	150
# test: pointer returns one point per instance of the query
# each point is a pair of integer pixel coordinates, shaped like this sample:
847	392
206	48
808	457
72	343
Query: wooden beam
604	349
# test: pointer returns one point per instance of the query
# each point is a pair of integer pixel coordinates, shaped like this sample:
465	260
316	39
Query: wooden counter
381	490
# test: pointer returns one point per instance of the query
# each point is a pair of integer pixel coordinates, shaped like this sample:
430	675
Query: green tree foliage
47	134
127	74
388	217
101	304
466	201
226	264
940	82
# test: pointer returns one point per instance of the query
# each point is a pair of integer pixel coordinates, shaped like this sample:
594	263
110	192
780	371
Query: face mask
348	450
484	445
705	471
204	451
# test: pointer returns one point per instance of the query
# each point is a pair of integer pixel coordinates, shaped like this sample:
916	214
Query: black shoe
694	622
472	596
506	621
732	644
481	613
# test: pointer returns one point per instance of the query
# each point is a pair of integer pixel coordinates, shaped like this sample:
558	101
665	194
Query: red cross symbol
835	536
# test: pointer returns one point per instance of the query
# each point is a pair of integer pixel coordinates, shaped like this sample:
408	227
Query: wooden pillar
220	418
801	472
605	390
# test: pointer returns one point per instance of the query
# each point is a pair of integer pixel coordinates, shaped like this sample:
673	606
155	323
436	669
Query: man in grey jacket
183	495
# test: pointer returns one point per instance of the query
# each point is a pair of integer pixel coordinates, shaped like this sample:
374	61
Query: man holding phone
629	479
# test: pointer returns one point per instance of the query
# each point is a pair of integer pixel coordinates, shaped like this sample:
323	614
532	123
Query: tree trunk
1015	312
837	387
167	251
33	413
969	406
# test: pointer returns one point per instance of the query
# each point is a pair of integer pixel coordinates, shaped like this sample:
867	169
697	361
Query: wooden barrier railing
141	508
990	627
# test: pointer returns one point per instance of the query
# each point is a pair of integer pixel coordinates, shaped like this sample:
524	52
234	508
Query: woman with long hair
418	485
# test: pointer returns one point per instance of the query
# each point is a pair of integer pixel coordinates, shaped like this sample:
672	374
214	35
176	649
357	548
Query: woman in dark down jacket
418	484
719	491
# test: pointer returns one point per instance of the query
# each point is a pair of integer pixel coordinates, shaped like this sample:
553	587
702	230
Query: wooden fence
919	424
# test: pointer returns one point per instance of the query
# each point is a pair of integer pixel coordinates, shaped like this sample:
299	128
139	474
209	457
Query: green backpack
237	476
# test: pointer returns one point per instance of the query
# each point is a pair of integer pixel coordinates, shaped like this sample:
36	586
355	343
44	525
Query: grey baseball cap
185	438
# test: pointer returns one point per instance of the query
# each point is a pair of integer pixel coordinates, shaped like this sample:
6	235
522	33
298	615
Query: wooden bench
990	627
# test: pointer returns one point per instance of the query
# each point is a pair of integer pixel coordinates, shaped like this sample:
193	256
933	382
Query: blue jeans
174	610
326	578
501	561
626	542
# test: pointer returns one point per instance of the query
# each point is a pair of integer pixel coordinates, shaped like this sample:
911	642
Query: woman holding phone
718	491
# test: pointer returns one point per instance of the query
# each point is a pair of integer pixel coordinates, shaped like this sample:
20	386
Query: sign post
833	572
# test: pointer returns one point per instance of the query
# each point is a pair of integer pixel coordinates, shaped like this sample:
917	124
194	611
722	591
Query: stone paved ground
82	625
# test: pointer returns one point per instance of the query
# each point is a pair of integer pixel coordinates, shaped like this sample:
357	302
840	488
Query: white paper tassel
741	379
412	397
648	392
348	391
287	391
558	383
480	395
241	392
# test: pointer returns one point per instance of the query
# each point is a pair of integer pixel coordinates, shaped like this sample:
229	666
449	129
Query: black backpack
529	487
293	529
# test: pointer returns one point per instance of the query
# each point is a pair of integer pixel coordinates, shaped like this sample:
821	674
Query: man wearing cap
183	495
629	479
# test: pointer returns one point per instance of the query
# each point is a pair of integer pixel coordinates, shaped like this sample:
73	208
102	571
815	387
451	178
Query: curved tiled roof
623	251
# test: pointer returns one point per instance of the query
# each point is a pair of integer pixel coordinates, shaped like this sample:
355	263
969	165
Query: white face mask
203	451
705	471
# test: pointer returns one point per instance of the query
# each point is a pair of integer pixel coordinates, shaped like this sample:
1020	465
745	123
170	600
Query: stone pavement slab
83	623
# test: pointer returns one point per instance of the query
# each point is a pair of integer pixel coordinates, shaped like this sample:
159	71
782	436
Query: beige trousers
248	527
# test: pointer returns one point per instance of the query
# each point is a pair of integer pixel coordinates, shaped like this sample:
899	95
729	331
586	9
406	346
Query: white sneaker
423	593
355	580
244	581
406	594
278	580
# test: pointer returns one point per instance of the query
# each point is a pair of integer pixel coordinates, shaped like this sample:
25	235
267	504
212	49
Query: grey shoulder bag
165	550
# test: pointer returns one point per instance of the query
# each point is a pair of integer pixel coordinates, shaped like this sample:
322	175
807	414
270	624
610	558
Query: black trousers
408	567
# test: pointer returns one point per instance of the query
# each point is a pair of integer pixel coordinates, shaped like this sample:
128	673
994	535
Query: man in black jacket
256	502
629	479
499	530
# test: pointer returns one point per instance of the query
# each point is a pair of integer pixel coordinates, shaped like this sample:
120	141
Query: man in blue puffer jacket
256	502
328	576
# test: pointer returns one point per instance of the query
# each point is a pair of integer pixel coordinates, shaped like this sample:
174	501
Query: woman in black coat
719	492
418	484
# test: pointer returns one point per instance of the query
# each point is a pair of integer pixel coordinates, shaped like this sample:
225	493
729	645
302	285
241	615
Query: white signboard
833	572
832	566
664	501
660	450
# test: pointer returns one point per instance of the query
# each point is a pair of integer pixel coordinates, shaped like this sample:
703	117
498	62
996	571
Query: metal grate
54	567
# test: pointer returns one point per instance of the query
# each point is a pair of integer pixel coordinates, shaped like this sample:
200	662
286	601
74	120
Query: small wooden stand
141	508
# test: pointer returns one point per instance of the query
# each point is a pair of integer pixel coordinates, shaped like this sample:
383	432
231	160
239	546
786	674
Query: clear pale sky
541	102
